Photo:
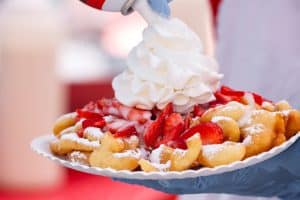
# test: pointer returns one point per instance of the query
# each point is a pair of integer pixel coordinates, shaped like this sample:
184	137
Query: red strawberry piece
179	143
80	132
198	111
125	132
115	108
117	124
187	121
210	133
173	127
107	107
230	92
132	114
173	123
88	114
258	99
213	104
98	123
155	130
223	99
167	110
91	106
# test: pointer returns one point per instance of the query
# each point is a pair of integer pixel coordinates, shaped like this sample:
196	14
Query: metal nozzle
127	7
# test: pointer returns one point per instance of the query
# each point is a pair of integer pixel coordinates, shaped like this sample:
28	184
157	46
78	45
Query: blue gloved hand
160	6
278	176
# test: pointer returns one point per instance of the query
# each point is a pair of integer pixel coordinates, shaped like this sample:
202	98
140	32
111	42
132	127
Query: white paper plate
41	146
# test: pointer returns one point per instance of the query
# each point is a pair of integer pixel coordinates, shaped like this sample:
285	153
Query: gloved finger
160	6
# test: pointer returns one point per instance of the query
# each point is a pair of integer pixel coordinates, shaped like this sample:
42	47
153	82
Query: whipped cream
167	66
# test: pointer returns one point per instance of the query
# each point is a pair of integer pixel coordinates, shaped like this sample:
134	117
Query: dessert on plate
233	127
169	113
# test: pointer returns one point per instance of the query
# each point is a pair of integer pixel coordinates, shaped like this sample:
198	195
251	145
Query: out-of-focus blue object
278	176
160	6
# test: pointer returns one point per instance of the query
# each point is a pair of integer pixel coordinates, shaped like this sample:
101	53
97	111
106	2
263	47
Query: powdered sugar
155	155
180	152
255	129
286	113
246	118
211	150
250	99
248	140
232	106
78	157
129	154
74	137
132	139
162	167
216	119
267	105
93	132
108	118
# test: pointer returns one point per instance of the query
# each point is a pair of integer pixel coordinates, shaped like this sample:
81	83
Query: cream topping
169	65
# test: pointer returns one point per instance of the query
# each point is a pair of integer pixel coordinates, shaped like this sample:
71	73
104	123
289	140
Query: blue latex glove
278	176
160	6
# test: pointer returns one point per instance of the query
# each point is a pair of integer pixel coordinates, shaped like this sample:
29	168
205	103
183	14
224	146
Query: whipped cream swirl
167	66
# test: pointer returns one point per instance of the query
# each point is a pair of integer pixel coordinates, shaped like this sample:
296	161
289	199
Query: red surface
83	186
80	94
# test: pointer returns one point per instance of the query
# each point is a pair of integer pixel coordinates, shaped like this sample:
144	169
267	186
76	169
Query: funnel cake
233	127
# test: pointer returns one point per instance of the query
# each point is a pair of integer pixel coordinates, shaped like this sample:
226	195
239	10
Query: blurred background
55	56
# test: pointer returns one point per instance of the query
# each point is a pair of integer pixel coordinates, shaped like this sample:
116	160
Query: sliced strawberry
155	130
173	127
187	121
80	132
223	99
258	99
213	104
89	111
210	133
91	106
98	123
125	132
167	110
88	114
198	111
117	124
230	92
115	108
